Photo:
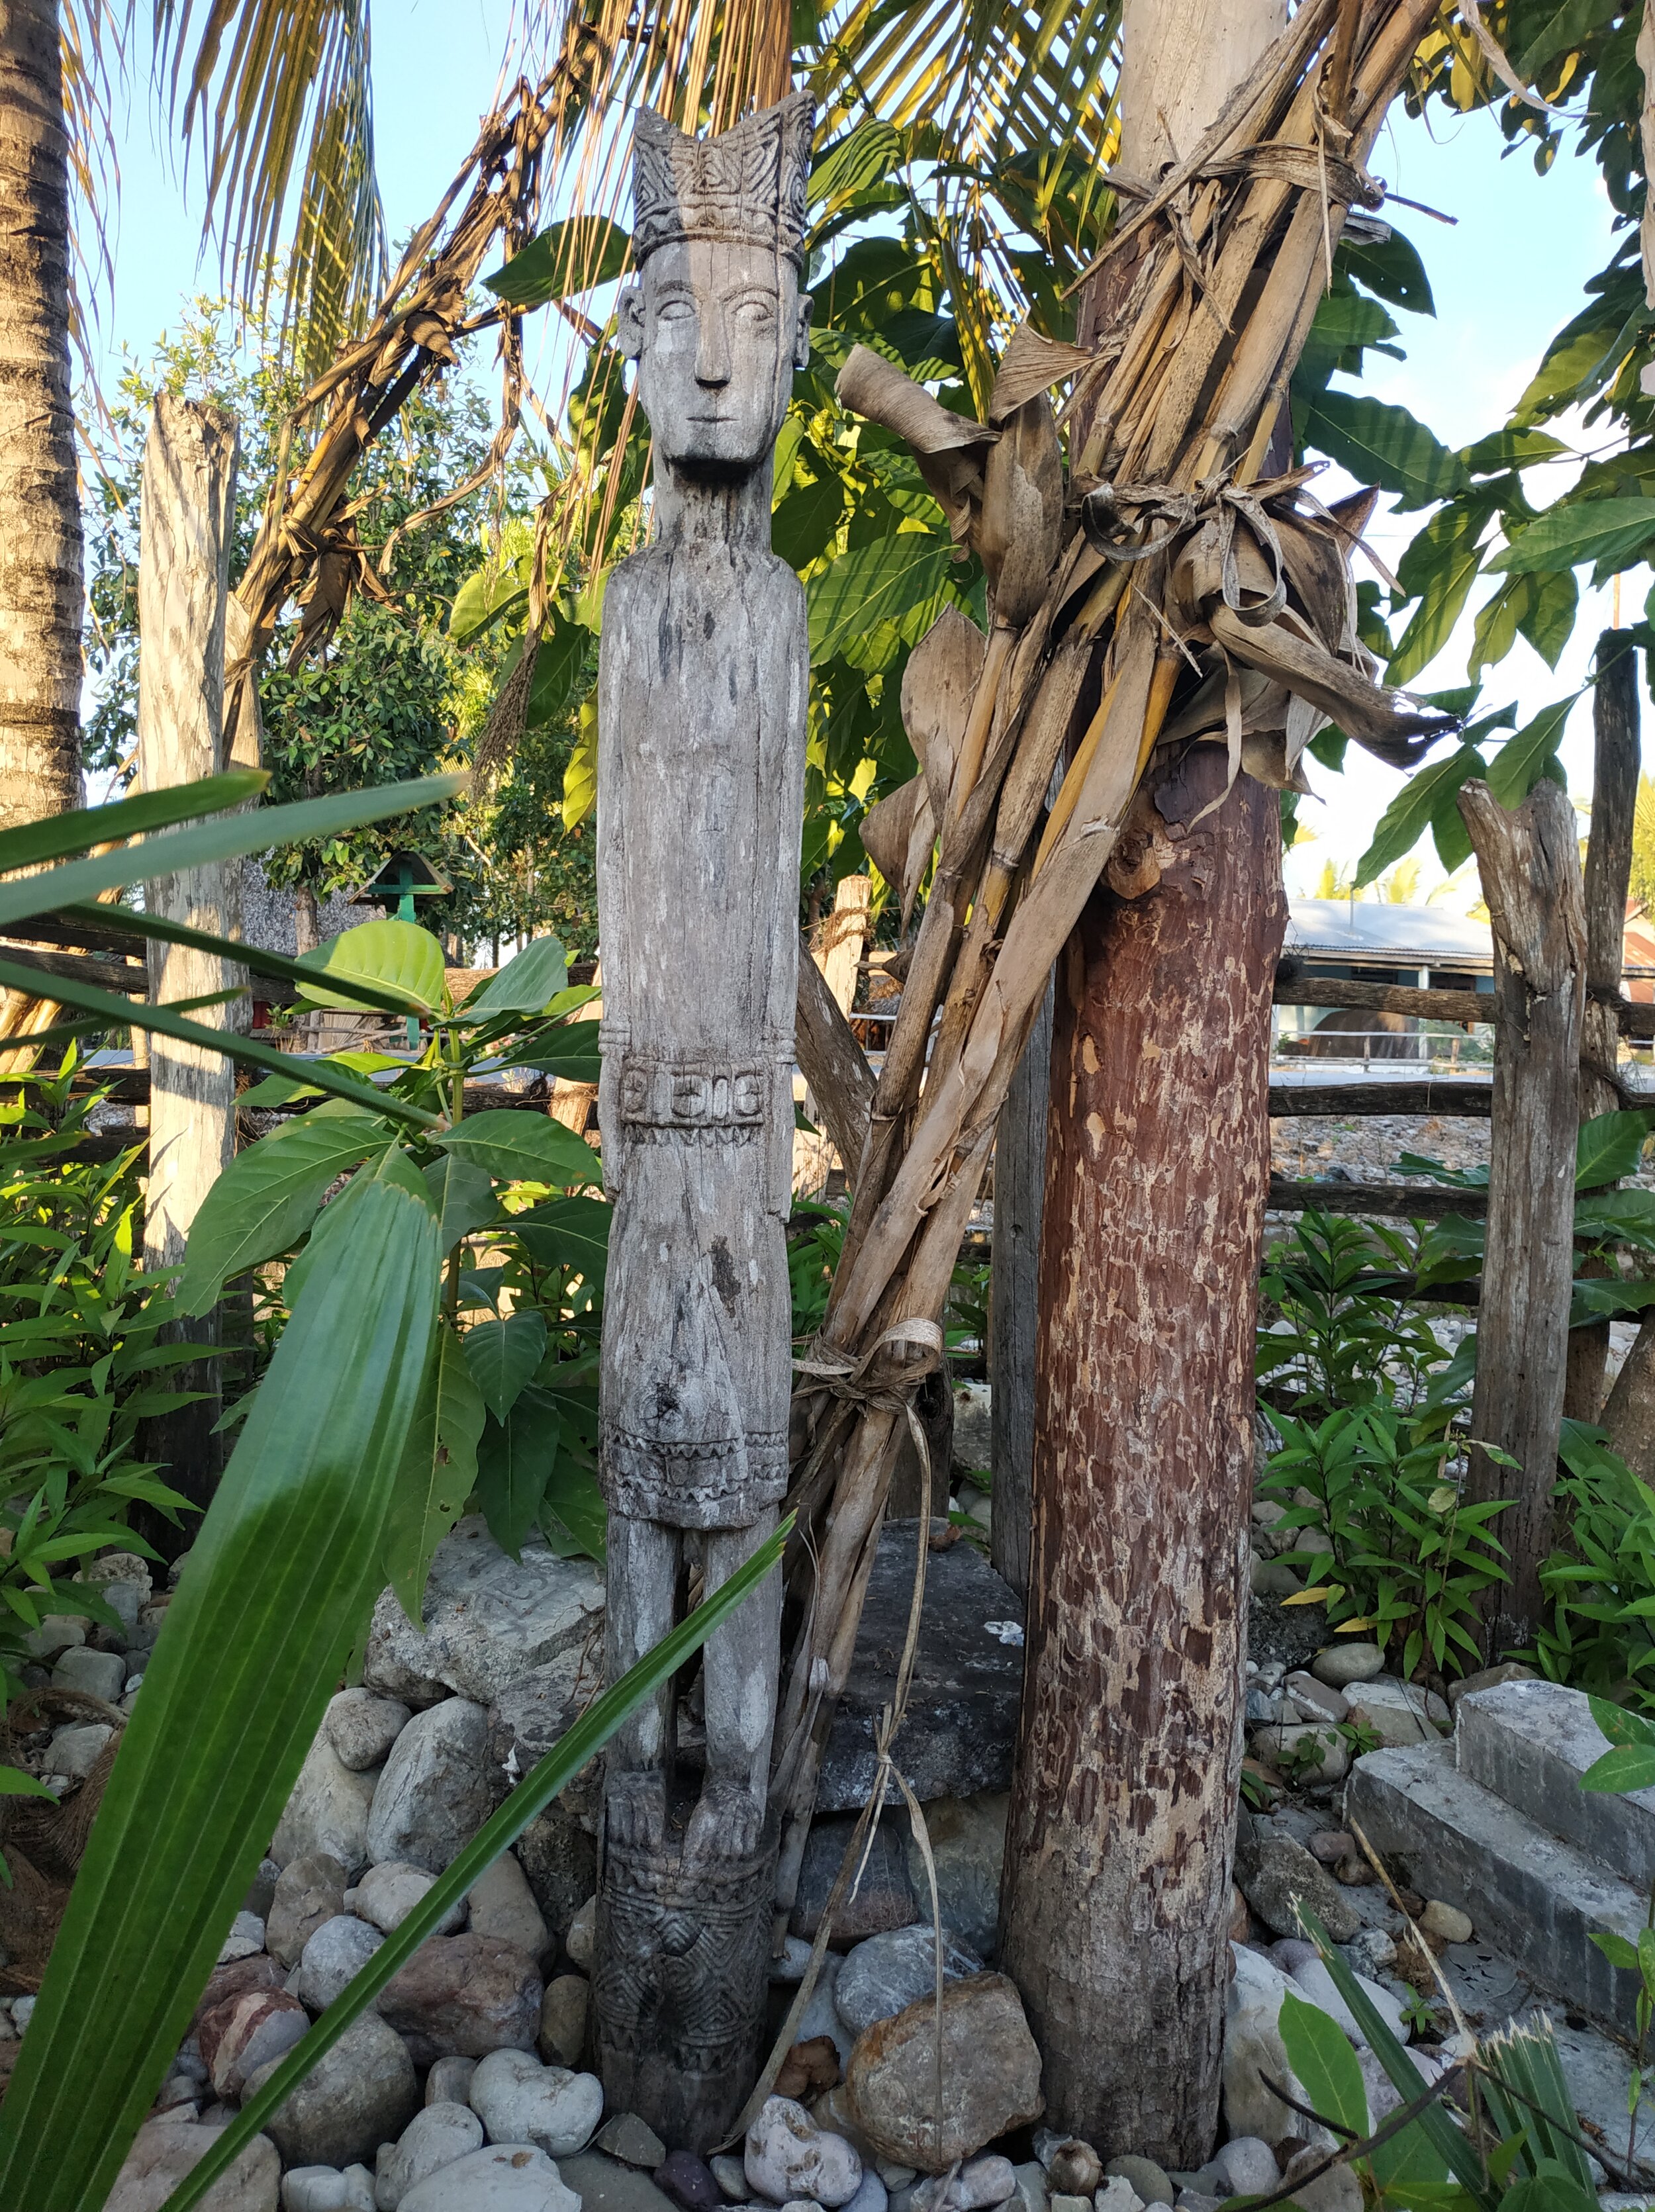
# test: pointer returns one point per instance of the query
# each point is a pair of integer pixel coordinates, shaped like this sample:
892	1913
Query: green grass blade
1451	2146
1523	2061
32	844
226	838
385	998
277	1590
532	1795
135	1014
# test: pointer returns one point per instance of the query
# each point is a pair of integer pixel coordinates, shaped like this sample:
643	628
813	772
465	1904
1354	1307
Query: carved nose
713	354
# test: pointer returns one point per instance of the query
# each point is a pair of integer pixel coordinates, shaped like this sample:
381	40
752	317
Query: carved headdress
745	186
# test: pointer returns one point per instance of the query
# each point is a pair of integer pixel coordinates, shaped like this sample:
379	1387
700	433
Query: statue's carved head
716	322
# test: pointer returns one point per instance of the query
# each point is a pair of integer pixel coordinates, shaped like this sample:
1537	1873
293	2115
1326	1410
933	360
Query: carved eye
675	311
757	309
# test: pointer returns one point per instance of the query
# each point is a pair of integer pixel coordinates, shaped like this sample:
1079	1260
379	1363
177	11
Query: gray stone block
1529	1893
956	1740
1529	1743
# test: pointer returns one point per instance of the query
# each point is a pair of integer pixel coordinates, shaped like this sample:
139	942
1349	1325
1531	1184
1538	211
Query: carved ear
628	309
802	342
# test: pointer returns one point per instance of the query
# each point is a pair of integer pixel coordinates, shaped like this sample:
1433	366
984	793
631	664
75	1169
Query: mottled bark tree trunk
1116	1903
1118	1854
1014	1298
39	508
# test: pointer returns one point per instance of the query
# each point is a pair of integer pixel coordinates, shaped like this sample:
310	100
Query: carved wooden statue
702	701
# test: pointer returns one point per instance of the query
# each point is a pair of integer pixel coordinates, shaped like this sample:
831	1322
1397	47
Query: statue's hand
726	1824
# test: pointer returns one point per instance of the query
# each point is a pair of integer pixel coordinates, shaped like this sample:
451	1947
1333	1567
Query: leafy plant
1371	1413
1600	1581
509	1415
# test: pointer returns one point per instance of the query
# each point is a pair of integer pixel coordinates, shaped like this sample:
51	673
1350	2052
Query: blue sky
1505	276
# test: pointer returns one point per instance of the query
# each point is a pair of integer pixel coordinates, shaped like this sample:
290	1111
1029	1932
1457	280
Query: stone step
1529	1893
1529	1743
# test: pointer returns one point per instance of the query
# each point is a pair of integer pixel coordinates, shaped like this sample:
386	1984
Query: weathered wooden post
1529	863
1609	870
702	687
188	520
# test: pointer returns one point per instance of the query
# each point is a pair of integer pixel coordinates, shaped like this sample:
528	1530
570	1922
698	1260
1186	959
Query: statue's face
716	331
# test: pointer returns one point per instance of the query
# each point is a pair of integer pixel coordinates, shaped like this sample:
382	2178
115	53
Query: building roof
1387	934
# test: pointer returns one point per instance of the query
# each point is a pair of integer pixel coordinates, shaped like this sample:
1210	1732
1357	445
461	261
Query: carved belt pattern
698	1100
718	1482
686	1956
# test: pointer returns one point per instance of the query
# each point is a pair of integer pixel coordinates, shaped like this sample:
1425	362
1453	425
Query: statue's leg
642	1576
740	1665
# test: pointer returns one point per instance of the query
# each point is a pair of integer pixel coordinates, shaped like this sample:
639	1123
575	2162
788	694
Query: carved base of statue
683	1971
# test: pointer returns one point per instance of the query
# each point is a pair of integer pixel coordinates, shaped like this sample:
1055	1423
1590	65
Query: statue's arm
615	1027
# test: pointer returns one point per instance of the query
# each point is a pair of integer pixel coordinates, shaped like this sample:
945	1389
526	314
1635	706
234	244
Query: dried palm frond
1191	601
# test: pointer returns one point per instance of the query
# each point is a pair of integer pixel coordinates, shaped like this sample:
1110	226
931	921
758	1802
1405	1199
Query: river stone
1317	1984
562	2039
165	2151
501	1903
99	1673
488	1618
1398	1713
520	2100
1446	1922
309	1891
76	1751
1253	2048
887	1974
981	2184
1313	1749
1317	1701
333	1957
359	2094
961	1721
449	2081
1248	2167
580	1938
533	1713
991	2075
967	1837
464	1996
246	2033
1147	2180
1276	1876
688	2181
362	1728
632	2141
434	2138
435	1789
786	2155
603	2184
386	1895
326	2189
327	1813
1343	1664
231	1980
501	2177
885	1895
1117	2194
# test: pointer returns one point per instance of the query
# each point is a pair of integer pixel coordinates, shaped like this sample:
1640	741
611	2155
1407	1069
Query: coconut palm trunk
1118	1855
40	587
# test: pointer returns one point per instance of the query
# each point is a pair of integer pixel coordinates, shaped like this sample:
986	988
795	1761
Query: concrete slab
1530	1893
1529	1743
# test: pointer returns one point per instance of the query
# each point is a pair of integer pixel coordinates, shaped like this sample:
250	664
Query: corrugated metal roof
1388	934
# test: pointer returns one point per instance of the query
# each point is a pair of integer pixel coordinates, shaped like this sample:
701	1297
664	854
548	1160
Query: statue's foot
635	1811
726	1823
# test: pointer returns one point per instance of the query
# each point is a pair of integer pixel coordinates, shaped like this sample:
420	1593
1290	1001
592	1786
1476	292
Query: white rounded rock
520	2100
980	2183
326	2189
787	2155
581	1939
504	2178
872	2195
1316	1984
434	2138
388	1893
1248	2164
333	1955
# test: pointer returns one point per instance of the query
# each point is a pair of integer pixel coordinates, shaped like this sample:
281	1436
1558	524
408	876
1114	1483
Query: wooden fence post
188	518
1530	862
1609	870
1014	1297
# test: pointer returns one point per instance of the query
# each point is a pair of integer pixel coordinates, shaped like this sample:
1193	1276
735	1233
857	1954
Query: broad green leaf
503	1354
1551	2191
568	1232
283	1090
524	985
1523	759
864	156
437	1474
14	1783
1623	1213
267	1198
1607	1148
573	1508
1319	2052
581	773
1628	1766
488	596
1511	449
1621	1726
380	996
280	1577
576	255
890	580
244	1051
32	844
1595	1299
520	1144
1442	565
463	1196
543	1783
225	838
1619	530
1541	608
1391	269
1380	445
514	1461
560	672
572	1053
1405	821
399	953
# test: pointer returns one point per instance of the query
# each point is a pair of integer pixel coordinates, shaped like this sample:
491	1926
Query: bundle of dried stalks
1168	596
